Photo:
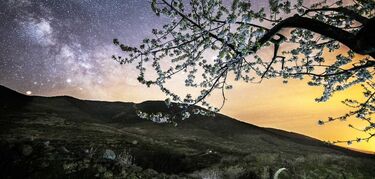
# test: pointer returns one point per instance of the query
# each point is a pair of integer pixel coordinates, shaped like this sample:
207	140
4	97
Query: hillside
63	136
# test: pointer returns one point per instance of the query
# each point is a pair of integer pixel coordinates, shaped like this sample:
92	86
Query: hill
58	137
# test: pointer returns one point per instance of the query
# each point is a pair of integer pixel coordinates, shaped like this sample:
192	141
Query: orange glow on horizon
292	108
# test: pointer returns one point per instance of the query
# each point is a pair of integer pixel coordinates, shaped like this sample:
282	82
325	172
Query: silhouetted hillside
194	147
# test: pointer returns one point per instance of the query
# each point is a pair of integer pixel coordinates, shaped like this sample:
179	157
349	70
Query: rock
109	154
46	143
135	142
64	149
27	150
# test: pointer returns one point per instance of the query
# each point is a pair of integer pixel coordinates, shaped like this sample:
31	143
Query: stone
64	149
109	154
46	143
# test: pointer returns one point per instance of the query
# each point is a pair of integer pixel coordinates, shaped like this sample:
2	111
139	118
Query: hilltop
64	136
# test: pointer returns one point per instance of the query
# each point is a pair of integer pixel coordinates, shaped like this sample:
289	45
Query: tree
298	33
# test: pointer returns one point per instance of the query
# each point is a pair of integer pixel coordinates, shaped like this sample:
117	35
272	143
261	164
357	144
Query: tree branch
249	24
276	48
316	26
231	46
350	13
366	65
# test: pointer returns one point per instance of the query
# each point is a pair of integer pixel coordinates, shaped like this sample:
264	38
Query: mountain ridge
195	145
8	93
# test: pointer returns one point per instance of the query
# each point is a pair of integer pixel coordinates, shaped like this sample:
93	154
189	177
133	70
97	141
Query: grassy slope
199	146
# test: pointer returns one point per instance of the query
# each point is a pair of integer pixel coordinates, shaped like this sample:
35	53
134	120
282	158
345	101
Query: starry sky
64	47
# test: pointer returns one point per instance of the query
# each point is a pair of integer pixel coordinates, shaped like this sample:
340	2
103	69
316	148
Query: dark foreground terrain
63	137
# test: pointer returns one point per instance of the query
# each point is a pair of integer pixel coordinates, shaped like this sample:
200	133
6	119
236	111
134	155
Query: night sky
64	47
48	46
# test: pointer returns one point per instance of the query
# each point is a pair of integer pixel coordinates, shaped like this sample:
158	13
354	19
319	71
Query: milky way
64	47
49	46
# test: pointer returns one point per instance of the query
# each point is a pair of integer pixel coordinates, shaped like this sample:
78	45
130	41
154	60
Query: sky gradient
64	47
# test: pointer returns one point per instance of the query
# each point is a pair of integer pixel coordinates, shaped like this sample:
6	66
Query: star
49	45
